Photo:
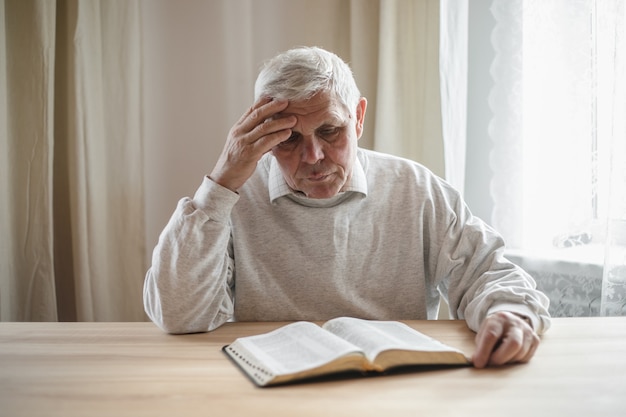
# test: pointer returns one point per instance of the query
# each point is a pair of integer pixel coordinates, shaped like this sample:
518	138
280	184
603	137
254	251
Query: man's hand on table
504	337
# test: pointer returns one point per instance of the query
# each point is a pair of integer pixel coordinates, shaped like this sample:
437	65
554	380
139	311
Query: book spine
255	370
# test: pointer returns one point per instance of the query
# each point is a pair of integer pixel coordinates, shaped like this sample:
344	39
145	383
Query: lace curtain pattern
574	287
559	153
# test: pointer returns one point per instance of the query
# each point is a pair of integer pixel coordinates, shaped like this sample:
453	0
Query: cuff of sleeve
215	200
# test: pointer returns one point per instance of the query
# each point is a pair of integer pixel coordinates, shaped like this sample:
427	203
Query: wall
183	125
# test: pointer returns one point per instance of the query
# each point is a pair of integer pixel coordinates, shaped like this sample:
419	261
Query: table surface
93	369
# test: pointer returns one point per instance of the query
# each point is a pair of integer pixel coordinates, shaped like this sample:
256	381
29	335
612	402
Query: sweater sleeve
189	286
481	280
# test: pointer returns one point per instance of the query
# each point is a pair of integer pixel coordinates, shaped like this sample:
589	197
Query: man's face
318	158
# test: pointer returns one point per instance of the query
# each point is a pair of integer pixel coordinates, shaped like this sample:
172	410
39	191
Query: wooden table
117	369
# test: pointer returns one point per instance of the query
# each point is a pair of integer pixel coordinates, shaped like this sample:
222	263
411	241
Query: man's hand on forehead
257	131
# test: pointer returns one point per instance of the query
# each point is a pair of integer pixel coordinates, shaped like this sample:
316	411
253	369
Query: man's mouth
317	177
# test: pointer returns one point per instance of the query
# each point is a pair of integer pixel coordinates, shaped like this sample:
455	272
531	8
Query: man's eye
294	136
291	141
328	132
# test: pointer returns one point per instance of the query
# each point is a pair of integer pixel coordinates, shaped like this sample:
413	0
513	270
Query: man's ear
360	116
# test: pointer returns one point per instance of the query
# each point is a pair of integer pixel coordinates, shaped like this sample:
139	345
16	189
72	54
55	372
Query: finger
518	329
265	143
534	343
273	131
262	110
511	348
487	339
255	106
268	131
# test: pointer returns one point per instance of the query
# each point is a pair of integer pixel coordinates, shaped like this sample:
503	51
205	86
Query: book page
374	337
296	347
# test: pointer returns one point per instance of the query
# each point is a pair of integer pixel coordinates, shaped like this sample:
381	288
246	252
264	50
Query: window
565	98
558	163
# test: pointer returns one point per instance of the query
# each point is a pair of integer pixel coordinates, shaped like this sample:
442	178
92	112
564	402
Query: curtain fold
408	111
453	69
614	273
506	126
27	290
72	147
105	159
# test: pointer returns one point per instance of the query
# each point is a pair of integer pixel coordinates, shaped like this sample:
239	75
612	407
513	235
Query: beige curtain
72	181
408	109
26	114
110	111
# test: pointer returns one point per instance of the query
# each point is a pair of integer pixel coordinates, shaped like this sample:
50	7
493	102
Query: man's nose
312	150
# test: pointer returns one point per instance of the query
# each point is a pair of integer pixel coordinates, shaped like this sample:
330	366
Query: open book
303	350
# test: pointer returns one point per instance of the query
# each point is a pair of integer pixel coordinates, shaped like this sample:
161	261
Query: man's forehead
320	105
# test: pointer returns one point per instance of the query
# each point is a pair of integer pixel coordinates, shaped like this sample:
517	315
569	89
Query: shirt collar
278	186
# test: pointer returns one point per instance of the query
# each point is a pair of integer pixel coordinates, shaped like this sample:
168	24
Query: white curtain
610	25
453	67
112	110
559	157
71	149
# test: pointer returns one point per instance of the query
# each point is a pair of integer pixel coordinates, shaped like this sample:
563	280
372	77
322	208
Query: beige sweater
384	249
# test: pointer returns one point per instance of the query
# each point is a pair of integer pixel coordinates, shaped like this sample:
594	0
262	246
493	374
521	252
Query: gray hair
300	73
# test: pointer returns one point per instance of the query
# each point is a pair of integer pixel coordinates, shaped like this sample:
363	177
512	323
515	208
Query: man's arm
498	299
188	287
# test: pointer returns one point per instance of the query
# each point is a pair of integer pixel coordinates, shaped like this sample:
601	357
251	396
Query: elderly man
296	222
